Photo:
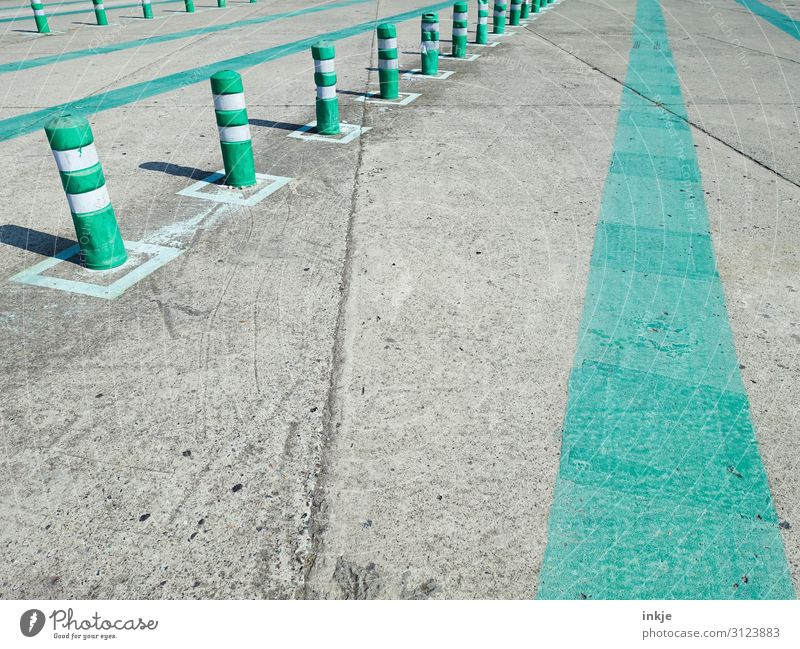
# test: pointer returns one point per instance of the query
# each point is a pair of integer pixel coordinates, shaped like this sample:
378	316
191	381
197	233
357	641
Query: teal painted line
75	12
16	66
661	491
774	17
19	125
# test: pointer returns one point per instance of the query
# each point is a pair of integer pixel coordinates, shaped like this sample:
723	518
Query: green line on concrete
661	491
19	125
76	12
16	66
774	17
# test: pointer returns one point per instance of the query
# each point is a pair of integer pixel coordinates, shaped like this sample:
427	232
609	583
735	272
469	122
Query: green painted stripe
76	12
661	491
231	117
16	66
25	123
85	180
774	17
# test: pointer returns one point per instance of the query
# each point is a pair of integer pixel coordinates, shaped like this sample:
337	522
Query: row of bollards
72	142
42	27
519	9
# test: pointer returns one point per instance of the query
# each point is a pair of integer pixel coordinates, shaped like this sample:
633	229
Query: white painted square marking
467	59
158	256
375	98
231	195
349	132
32	34
416	73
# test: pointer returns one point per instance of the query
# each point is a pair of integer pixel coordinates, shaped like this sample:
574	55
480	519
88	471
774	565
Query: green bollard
499	17
234	129
325	77
222	3
189	6
514	14
147	10
429	48
535	6
482	28
460	23
388	72
72	143
39	17
100	12
526	9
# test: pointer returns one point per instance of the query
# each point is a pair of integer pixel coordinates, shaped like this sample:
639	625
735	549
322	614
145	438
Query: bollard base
389	81
430	63
99	239
459	50
327	117
240	168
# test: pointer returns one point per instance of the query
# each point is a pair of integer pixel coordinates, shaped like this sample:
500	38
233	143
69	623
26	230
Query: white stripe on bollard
91	201
325	65
326	92
76	159
234	133
229	102
387	43
387	64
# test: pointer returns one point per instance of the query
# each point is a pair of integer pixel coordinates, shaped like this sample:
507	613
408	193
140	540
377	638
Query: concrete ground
356	387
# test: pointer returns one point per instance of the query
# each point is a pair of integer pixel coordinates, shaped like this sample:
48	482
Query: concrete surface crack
331	418
666	108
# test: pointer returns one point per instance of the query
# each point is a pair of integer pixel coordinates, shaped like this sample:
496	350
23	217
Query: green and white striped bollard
516	10
327	104
234	129
100	12
147	10
222	3
482	28
388	72
526	9
72	143
460	23
499	17
39	16
189	4
429	48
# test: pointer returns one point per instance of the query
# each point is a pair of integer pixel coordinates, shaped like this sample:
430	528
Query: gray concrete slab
356	387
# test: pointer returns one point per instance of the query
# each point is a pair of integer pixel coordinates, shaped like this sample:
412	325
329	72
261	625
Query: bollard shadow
355	93
286	126
176	170
42	243
26	31
400	70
